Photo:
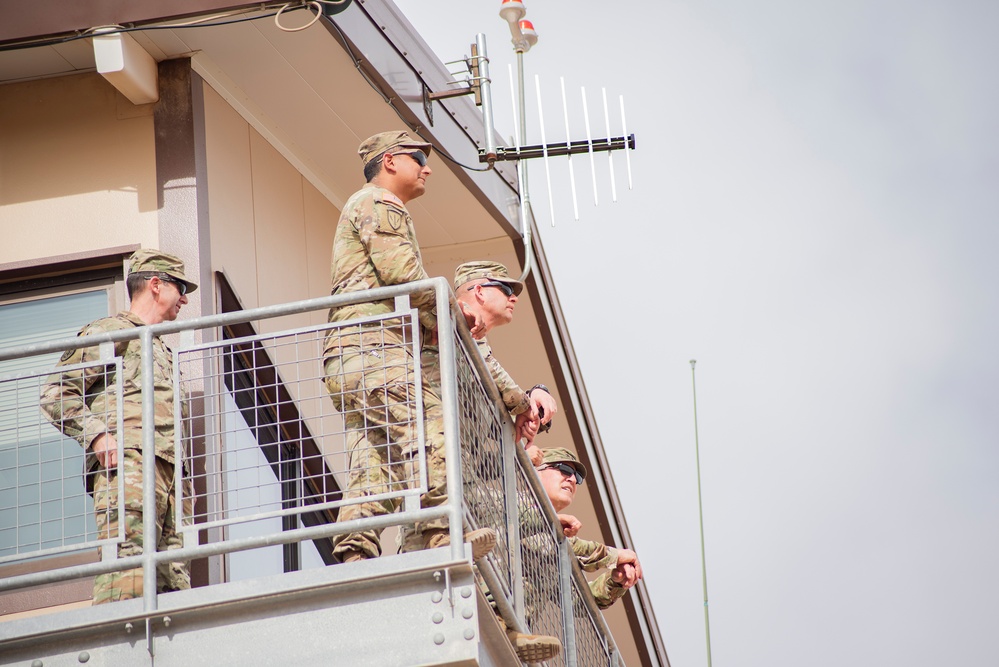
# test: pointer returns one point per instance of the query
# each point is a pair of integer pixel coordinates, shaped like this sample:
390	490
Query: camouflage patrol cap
150	259
479	269
396	141
562	455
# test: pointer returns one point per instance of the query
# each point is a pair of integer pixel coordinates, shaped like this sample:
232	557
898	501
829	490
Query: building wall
77	168
77	174
271	230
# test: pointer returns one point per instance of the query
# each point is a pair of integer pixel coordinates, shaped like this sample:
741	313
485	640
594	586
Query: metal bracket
428	106
474	82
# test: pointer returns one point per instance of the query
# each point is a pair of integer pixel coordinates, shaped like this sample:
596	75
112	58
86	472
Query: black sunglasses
419	156
503	287
566	470
181	287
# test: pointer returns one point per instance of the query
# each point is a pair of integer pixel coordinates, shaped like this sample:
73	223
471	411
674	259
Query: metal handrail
449	320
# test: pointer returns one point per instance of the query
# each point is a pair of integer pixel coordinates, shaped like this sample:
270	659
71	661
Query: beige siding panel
279	221
230	196
77	168
320	225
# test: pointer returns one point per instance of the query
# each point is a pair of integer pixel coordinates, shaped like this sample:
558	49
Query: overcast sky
815	219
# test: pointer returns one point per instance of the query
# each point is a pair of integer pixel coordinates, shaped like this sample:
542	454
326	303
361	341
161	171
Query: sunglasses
181	287
503	287
566	470
419	156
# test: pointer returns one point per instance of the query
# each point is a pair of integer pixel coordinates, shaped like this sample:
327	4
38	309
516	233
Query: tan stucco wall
271	230
77	168
271	235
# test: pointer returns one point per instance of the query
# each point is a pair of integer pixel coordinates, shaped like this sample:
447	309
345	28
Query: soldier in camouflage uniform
367	365
487	296
82	404
560	473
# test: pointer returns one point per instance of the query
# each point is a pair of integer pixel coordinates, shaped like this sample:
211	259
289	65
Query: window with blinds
43	504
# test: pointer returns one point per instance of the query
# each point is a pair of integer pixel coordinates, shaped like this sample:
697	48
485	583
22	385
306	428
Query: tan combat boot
534	648
482	540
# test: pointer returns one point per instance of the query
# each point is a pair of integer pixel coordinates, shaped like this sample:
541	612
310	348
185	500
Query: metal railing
45	509
298	454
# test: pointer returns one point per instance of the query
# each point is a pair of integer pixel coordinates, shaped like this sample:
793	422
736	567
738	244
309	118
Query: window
43	504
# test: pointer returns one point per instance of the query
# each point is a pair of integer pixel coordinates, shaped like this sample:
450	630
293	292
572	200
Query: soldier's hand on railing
628	570
527	424
476	325
105	447
544	404
570	524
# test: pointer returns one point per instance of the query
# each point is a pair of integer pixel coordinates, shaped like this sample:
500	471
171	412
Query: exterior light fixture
127	67
512	11
530	36
522	32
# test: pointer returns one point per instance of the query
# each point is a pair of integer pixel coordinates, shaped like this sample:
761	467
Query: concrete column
182	201
181	177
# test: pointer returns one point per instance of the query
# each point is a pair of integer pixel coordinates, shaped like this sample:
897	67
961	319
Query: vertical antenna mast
700	511
485	85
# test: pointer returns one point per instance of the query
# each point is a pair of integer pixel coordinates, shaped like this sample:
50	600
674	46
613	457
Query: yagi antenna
572	174
589	144
478	83
624	131
544	151
610	156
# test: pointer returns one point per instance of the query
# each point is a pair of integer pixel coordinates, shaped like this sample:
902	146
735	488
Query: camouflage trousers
376	392
170	576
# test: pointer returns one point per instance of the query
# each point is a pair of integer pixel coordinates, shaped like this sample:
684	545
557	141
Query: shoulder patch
396	219
66	355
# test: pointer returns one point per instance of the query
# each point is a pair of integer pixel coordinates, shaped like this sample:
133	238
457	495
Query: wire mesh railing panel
46	421
591	644
283	424
262	423
539	552
483	471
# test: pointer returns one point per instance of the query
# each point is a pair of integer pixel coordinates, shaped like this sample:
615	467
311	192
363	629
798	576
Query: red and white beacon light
522	32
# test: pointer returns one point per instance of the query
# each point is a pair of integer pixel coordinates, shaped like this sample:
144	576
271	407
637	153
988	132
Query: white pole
700	511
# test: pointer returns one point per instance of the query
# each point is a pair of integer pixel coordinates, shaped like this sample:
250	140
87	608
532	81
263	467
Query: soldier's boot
530	648
482	540
534	648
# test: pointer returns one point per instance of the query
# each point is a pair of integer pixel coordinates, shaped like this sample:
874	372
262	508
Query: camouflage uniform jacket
606	591
593	556
515	399
536	536
375	246
82	403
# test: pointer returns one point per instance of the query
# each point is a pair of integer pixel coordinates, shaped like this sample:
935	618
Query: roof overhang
259	68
